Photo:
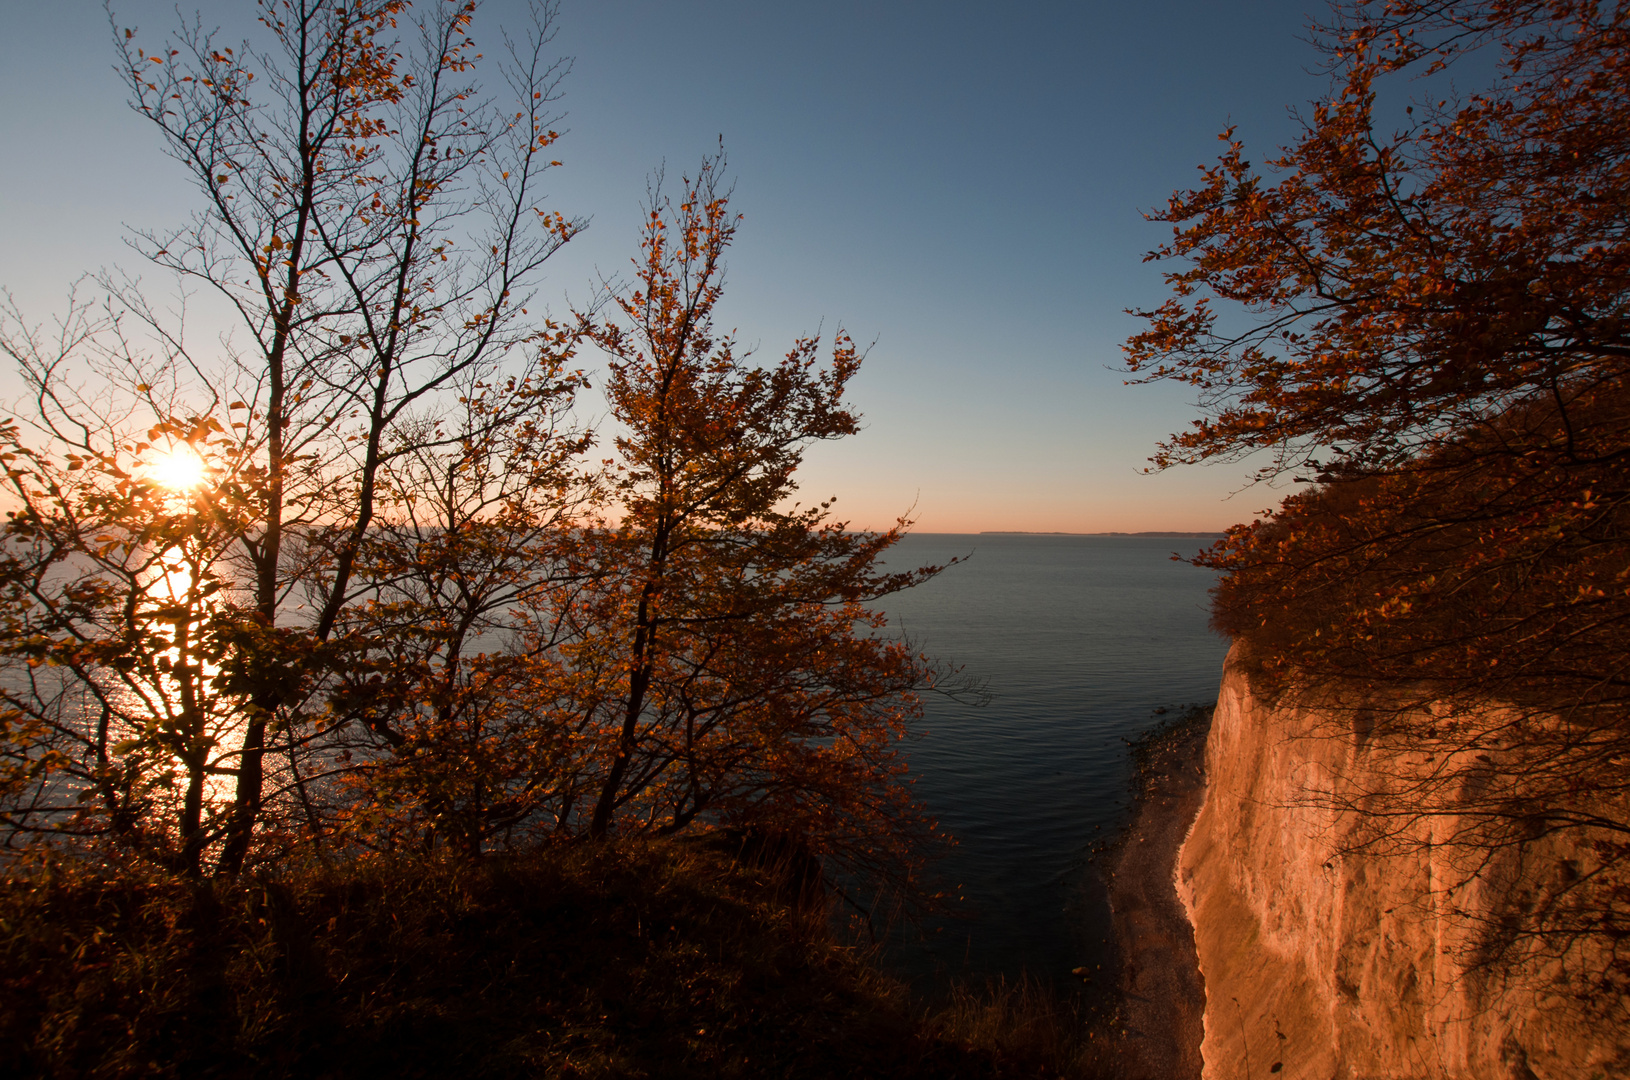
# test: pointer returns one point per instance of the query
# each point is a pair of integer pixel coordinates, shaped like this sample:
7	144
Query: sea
1083	643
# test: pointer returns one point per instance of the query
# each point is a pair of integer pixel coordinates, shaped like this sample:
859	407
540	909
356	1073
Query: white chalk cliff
1321	963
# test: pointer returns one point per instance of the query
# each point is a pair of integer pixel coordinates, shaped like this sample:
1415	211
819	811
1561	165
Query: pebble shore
1162	993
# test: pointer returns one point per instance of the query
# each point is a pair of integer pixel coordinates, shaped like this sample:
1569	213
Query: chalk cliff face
1322	963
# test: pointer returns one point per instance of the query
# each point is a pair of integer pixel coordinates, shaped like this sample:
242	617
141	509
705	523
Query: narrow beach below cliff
1162	993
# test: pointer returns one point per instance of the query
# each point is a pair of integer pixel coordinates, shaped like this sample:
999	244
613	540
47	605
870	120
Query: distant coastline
1028	532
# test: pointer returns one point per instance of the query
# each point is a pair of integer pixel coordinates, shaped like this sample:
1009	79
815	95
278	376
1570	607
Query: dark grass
626	960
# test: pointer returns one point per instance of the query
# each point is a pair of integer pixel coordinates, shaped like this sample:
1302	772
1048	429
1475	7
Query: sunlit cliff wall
1324	965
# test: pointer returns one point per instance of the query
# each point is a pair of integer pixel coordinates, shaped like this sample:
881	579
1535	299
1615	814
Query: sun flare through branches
178	469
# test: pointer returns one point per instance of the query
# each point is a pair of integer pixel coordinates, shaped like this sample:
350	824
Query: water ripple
1080	640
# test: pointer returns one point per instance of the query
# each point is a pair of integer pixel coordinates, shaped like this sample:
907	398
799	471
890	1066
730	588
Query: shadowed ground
1162	991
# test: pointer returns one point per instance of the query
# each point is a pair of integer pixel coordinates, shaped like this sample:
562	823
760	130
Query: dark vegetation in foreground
662	959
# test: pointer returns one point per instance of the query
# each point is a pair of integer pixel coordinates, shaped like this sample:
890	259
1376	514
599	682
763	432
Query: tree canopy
349	579
1406	286
1429	324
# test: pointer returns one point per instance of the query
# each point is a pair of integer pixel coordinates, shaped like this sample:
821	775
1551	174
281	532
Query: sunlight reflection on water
170	584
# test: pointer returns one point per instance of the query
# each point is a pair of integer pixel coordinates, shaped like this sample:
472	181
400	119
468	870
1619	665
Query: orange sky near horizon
961	192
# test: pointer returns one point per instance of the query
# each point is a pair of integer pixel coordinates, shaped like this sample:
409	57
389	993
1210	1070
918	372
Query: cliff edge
1326	957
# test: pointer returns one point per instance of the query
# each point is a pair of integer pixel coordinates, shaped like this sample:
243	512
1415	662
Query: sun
179	468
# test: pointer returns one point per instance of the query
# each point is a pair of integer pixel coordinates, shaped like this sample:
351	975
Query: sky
958	185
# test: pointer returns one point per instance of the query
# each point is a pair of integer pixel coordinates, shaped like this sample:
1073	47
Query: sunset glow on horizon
959	191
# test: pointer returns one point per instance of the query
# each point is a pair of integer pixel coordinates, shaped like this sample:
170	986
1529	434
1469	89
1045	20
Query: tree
372	221
118	703
724	658
447	697
1419	284
1432	324
389	606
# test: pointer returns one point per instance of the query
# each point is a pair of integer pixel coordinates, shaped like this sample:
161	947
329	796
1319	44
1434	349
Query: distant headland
1026	532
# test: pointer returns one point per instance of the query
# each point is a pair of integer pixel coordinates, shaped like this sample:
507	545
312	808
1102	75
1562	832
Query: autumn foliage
746	680
405	602
630	958
686	650
1429	323
1411	284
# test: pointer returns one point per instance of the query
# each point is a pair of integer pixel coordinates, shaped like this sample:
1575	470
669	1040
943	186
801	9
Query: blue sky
958	183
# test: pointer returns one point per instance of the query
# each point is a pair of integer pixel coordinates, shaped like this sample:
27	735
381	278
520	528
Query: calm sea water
1080	640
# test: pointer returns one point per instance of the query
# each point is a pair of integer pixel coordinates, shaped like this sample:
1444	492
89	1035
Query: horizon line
1061	532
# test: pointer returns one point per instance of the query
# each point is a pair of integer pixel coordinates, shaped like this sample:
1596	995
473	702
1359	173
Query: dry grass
1026	1025
649	960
